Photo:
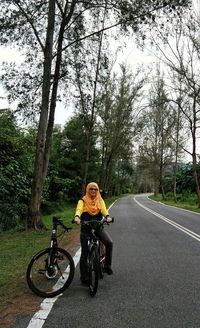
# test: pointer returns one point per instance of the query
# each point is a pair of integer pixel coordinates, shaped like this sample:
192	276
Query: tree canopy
61	41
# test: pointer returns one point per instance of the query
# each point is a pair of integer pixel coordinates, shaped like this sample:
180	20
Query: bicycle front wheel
50	272
93	270
102	255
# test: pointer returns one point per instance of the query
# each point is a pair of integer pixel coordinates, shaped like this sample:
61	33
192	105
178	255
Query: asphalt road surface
156	280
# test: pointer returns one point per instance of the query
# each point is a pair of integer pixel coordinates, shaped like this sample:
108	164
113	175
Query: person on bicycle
92	207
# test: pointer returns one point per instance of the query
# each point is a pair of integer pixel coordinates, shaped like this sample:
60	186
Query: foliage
24	24
16	155
66	169
46	31
117	111
50	34
186	201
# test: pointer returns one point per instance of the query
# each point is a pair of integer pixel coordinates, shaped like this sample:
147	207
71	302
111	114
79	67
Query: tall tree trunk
176	156
38	179
48	110
194	162
175	178
193	129
161	170
107	173
91	127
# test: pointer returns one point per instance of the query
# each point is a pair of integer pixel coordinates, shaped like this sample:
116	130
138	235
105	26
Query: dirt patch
26	303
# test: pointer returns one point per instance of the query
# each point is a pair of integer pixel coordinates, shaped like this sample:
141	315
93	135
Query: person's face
93	191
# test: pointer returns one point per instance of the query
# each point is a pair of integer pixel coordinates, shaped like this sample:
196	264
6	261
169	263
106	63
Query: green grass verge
17	248
187	204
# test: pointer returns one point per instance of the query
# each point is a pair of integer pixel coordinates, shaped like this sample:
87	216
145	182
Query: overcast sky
131	54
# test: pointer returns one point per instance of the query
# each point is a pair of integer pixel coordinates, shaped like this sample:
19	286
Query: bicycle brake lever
64	226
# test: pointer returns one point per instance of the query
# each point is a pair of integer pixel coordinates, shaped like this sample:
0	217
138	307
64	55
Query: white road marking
176	225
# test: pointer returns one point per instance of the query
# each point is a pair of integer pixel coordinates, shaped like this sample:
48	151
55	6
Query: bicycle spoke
93	272
47	280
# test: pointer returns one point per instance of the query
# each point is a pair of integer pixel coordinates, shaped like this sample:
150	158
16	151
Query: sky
130	54
12	55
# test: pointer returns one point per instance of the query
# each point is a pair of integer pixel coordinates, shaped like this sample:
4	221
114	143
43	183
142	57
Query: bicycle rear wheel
47	280
93	270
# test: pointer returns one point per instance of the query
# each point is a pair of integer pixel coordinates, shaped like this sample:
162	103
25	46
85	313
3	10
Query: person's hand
77	220
108	219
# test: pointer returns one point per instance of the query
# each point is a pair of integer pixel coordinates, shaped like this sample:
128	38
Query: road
156	280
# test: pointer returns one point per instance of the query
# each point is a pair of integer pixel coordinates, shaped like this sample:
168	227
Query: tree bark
38	177
194	162
176	156
48	110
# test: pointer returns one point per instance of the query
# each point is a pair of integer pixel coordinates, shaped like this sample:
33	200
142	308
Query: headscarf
92	206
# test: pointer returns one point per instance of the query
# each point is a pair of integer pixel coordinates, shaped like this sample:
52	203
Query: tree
183	61
46	30
117	111
87	81
156	146
67	159
16	156
178	133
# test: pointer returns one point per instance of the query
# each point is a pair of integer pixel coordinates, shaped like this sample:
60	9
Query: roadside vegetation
186	201
118	110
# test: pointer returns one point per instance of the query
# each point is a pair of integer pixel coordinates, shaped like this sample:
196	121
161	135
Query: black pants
107	241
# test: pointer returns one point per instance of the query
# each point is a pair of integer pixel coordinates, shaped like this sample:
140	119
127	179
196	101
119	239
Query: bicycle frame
93	239
94	261
53	242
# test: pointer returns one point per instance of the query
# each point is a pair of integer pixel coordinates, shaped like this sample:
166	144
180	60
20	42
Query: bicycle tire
102	252
93	270
46	283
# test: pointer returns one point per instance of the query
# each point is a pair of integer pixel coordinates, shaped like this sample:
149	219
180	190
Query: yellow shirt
80	208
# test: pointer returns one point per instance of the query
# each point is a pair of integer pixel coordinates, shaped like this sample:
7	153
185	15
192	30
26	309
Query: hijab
92	205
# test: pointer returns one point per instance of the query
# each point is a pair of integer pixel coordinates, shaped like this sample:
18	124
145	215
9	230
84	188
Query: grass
187	202
17	248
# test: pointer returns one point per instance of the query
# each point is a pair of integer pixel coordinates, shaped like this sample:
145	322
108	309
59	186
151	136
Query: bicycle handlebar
103	221
59	221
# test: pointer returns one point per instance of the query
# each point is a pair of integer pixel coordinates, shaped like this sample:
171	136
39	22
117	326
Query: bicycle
96	255
51	270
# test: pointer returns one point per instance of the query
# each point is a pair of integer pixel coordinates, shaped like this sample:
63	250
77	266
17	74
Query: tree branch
30	22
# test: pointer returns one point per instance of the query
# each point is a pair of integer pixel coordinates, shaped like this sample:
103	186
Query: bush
184	197
14	195
15	170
